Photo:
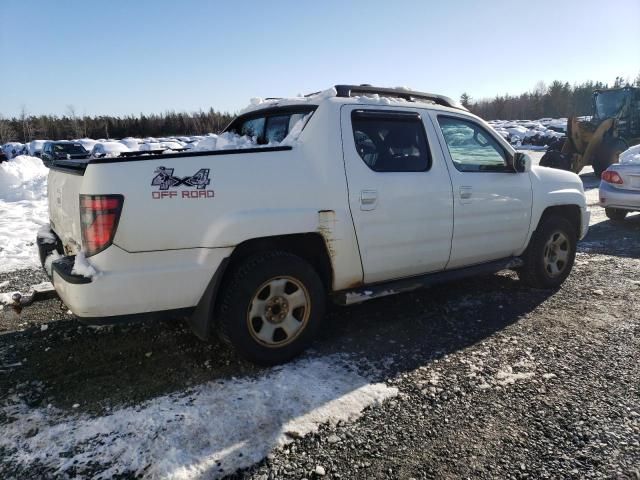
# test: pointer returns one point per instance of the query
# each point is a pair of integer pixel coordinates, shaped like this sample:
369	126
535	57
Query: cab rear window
270	126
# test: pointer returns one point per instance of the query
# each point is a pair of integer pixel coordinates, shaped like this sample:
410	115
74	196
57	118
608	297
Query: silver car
620	190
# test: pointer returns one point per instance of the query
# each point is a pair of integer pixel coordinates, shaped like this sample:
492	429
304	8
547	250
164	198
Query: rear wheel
615	214
271	307
549	257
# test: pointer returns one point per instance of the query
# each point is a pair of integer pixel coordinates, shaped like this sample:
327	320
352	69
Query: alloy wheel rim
556	254
279	311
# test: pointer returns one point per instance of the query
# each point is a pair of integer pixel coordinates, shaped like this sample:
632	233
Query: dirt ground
496	380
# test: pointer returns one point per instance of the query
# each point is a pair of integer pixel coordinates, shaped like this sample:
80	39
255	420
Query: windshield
70	148
608	104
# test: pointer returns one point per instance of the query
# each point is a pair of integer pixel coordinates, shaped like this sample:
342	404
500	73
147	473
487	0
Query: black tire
536	271
615	214
600	165
555	159
248	282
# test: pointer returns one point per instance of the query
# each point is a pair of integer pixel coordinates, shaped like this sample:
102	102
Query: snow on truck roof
364	93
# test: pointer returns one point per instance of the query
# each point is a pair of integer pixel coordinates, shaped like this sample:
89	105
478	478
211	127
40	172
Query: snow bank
208	432
632	155
23	211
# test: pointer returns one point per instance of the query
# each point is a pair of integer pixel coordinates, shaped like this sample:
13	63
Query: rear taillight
99	216
611	176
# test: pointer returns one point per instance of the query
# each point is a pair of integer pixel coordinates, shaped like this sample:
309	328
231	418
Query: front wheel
549	257
271	307
615	214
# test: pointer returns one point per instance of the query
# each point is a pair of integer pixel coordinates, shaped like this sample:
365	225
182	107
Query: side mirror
521	162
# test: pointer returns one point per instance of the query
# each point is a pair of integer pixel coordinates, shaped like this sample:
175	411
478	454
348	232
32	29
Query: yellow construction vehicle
598	141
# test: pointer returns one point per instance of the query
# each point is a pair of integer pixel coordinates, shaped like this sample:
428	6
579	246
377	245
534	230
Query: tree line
559	99
25	127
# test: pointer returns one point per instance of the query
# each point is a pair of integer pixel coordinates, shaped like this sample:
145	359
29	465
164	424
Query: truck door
400	192
492	202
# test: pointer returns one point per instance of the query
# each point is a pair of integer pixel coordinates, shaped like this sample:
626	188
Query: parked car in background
12	149
87	143
63	150
133	144
35	147
108	149
3	157
620	186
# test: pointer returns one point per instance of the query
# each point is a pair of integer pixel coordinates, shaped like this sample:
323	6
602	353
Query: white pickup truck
382	191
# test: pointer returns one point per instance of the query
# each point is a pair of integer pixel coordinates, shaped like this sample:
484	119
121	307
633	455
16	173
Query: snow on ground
23	210
207	432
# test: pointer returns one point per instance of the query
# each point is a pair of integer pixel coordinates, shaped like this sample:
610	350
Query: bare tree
75	125
27	128
7	133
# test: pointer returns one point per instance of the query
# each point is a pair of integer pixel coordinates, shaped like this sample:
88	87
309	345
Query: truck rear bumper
134	284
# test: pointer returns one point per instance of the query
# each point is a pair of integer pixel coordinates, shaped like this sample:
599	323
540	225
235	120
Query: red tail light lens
99	216
611	176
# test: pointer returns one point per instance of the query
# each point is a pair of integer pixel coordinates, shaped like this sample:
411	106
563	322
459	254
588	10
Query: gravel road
494	380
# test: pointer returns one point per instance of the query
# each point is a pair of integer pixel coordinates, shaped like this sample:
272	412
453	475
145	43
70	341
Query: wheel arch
570	212
309	246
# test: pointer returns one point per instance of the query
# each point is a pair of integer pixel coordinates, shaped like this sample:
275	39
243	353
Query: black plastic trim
45	247
386	114
66	166
409	95
204	153
202	318
63	267
137	317
382	289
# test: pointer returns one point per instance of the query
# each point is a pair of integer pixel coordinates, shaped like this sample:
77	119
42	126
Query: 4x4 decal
195	184
165	179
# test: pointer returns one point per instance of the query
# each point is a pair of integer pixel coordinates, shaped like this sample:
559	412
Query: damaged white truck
350	194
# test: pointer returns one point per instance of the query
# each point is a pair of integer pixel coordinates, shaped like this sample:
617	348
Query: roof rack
408	95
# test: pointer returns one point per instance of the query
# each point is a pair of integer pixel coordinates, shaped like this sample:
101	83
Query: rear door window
391	141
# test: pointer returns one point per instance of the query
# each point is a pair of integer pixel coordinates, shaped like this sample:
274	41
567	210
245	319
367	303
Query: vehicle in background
156	147
108	149
12	149
600	139
620	186
87	143
3	157
133	144
35	147
63	150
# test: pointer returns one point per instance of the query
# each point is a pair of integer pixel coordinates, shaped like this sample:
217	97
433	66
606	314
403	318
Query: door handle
368	199
465	193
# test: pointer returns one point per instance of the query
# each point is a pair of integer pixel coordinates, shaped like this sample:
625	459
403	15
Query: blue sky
120	57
